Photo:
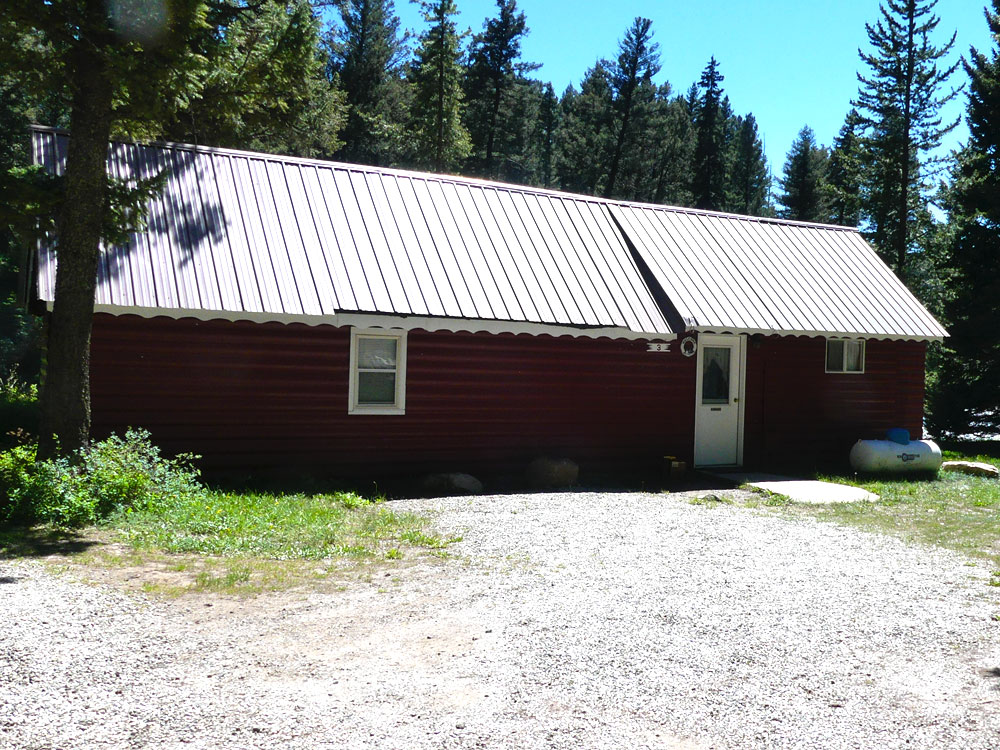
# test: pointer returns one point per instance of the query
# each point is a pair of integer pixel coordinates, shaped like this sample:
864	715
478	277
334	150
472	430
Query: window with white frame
845	355
378	372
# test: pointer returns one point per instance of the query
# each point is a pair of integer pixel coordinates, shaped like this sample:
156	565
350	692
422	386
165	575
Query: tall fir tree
584	135
673	144
749	188
266	88
708	181
844	174
900	104
441	141
633	90
368	57
803	184
493	91
546	131
967	396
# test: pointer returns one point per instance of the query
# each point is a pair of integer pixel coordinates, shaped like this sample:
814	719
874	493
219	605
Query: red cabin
290	313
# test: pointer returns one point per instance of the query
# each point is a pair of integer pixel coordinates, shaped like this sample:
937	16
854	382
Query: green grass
952	510
276	526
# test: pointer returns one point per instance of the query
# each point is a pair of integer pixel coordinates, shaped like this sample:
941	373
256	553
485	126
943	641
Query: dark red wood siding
797	414
273	395
251	395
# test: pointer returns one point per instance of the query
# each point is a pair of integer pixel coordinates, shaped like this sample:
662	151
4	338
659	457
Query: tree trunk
65	396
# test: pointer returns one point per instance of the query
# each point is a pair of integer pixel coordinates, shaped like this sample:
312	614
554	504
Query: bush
18	408
114	475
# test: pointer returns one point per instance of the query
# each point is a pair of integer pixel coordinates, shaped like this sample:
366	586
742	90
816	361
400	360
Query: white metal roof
245	235
731	273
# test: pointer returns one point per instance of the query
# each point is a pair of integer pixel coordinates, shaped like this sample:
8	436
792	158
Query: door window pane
715	375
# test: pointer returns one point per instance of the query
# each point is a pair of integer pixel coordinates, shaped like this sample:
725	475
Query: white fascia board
398	322
817	334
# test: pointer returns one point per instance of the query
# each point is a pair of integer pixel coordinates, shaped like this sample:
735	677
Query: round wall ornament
688	347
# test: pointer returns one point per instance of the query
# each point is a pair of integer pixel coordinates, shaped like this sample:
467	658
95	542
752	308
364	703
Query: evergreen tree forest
342	80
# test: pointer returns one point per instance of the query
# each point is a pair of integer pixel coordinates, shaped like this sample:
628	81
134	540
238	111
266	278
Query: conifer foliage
709	178
633	90
900	101
441	139
368	57
804	183
492	82
968	395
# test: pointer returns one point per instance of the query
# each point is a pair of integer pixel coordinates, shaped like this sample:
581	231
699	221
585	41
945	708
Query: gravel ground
562	621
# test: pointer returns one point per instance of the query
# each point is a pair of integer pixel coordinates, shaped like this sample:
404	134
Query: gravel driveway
562	621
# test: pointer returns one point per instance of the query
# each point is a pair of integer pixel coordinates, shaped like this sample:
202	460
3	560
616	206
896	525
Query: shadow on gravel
994	673
35	542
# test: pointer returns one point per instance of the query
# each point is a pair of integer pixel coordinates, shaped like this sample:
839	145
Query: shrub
117	474
18	408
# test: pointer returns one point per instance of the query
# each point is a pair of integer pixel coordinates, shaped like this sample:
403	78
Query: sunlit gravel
571	620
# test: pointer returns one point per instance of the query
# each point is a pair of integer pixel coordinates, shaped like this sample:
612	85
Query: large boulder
552	473
976	468
451	484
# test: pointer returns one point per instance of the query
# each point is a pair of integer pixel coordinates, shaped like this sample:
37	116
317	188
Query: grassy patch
952	510
275	526
236	543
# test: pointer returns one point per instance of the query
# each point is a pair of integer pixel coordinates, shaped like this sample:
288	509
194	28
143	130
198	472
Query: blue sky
790	62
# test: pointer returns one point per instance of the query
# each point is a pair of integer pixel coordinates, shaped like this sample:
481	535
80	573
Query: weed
710	499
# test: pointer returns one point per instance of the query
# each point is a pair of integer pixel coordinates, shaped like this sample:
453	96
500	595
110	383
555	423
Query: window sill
376	410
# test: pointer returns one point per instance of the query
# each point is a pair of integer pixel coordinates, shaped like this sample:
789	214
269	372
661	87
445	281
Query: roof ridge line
462	179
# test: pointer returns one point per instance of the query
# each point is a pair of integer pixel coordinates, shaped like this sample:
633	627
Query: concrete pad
799	490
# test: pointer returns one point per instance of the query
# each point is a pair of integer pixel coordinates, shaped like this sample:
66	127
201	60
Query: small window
845	355
378	372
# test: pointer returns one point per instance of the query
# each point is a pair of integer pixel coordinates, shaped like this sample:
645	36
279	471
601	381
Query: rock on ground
976	468
574	620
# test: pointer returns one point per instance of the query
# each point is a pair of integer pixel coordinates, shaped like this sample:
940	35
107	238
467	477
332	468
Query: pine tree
368	57
633	91
708	184
584	136
675	146
803	187
440	139
900	106
545	135
749	177
267	87
491	82
844	174
967	398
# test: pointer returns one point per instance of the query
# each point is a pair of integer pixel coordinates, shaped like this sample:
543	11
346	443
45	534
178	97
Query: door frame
740	350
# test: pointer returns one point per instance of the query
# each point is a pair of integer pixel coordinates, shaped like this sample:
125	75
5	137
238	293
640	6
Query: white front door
718	423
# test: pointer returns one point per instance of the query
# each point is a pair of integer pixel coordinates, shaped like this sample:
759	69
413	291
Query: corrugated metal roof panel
271	237
741	274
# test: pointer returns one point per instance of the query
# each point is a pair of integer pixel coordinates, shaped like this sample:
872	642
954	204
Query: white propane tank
889	456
